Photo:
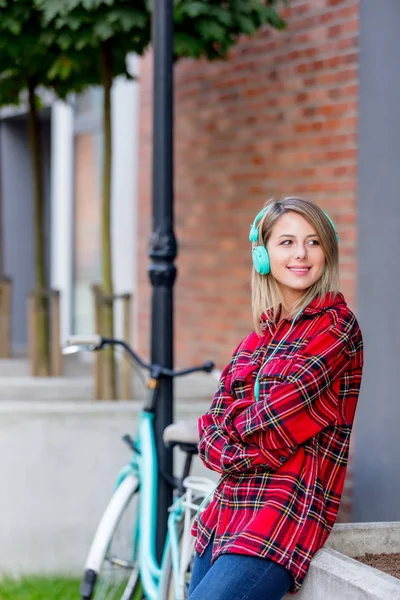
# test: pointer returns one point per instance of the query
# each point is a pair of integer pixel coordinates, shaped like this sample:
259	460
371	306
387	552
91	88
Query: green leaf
81	44
210	30
61	67
11	88
54	8
275	19
88	4
47	38
128	18
38	102
223	15
247	25
73	22
104	30
64	40
187	45
195	9
13	26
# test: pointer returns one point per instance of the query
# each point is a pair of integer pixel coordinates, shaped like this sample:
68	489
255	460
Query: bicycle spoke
114	583
101	590
112	587
131	584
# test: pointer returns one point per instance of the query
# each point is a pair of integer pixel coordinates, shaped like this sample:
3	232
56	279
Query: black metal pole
163	247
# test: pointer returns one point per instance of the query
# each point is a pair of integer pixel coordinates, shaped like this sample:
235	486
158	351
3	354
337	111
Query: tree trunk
109	376
42	332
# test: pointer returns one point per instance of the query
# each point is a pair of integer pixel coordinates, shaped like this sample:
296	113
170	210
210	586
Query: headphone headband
253	236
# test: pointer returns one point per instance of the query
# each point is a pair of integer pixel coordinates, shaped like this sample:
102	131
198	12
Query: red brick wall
279	117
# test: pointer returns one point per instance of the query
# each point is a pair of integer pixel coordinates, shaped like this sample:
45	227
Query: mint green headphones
260	254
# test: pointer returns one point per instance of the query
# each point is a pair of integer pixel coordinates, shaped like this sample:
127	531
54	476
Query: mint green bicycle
121	563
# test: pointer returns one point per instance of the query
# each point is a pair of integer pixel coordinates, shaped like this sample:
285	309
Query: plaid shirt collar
316	306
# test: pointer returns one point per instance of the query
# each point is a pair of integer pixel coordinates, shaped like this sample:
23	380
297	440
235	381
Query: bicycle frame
145	466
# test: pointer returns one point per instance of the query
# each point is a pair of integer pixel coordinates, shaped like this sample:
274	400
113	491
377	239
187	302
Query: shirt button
283	459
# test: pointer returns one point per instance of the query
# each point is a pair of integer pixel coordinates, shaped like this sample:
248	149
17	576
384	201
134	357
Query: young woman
278	430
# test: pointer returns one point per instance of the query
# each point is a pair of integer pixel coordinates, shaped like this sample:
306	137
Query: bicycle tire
110	570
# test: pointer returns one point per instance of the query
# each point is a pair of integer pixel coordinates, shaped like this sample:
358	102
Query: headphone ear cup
261	260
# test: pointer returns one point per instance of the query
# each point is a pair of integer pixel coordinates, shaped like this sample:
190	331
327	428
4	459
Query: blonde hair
266	295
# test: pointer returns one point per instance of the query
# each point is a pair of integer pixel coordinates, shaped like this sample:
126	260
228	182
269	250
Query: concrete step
20	367
16	383
14	367
46	388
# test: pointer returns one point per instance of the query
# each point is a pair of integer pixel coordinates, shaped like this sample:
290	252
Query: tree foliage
23	49
202	28
84	28
30	51
209	28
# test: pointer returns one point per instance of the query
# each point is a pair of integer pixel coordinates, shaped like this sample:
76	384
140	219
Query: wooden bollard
55	335
52	309
99	300
32	334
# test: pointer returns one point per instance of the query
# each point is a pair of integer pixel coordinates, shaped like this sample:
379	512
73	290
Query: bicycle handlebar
91	343
83	340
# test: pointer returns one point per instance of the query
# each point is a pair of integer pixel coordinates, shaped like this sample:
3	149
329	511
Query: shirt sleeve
225	452
212	438
303	404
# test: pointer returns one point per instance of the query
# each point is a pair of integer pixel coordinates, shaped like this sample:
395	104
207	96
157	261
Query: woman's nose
301	252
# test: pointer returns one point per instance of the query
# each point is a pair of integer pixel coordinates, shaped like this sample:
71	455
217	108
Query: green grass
39	588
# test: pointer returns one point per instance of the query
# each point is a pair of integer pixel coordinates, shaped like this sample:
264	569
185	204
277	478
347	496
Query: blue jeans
237	577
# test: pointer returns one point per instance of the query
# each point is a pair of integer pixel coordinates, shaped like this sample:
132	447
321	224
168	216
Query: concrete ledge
356	539
334	576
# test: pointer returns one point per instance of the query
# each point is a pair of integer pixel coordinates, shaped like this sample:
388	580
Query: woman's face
297	259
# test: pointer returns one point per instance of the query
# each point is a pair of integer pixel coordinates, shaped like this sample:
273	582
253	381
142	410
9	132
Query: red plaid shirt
282	459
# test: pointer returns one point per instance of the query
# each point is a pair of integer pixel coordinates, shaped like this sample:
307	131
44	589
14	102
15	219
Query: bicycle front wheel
112	569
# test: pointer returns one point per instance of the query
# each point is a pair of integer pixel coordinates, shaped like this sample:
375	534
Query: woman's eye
310	242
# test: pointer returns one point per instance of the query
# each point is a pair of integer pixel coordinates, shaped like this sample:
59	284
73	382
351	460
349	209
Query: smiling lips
299	270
